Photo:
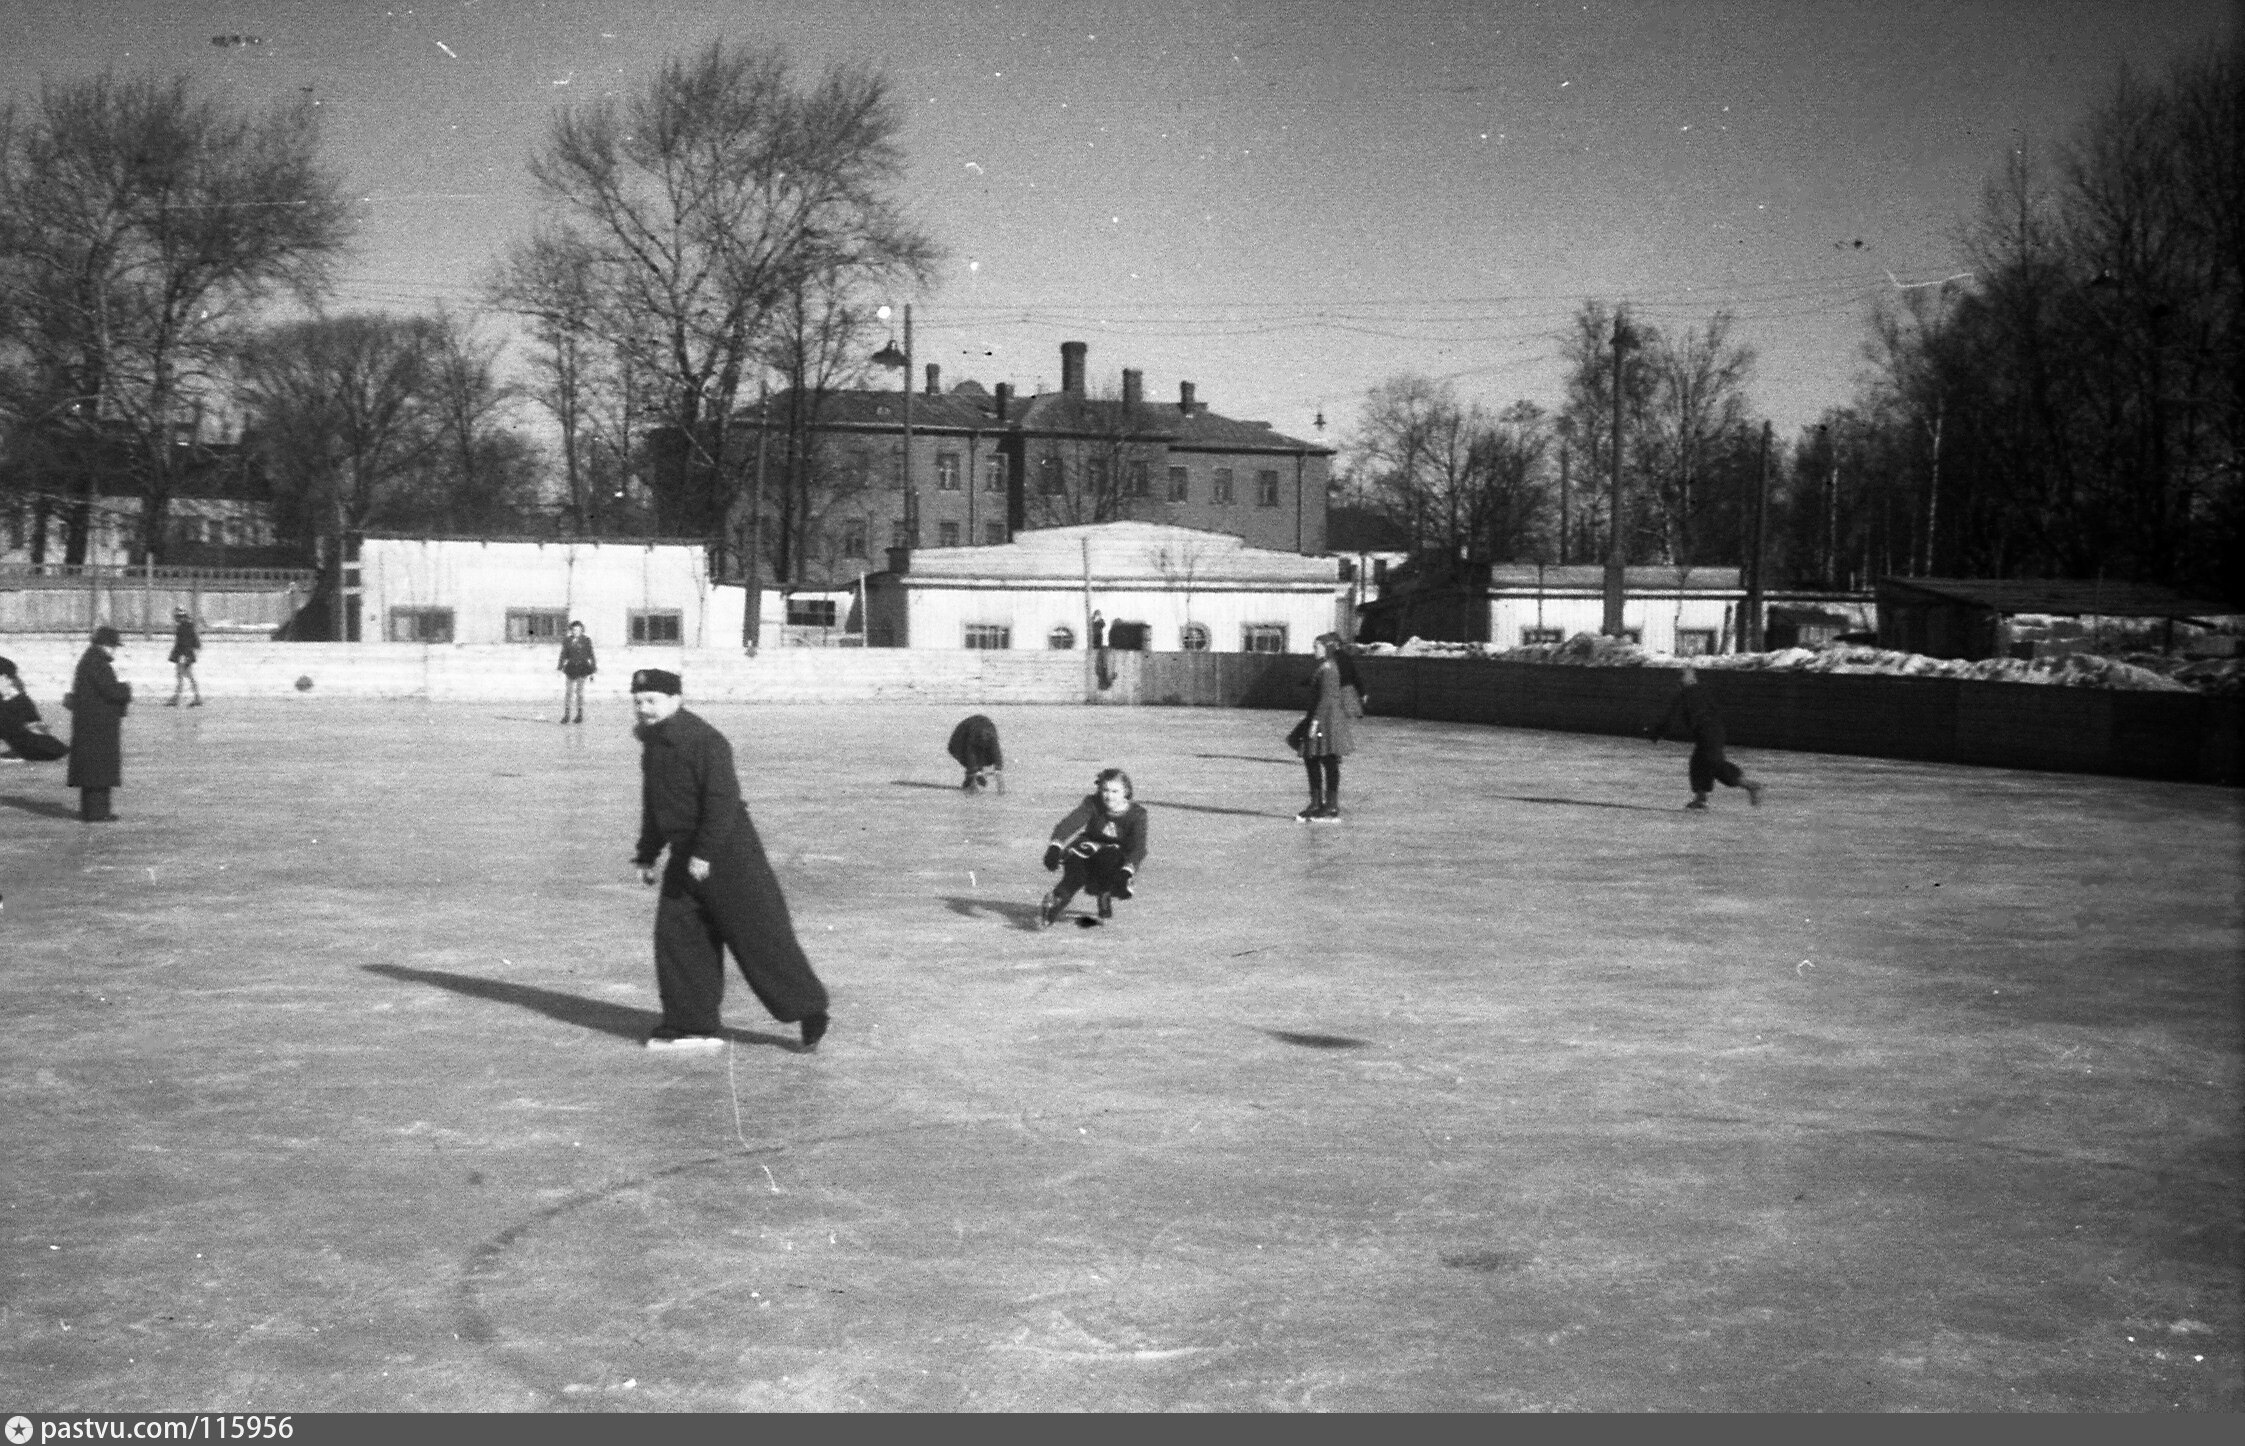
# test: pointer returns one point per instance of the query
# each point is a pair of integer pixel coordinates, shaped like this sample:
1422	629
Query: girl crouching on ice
1098	846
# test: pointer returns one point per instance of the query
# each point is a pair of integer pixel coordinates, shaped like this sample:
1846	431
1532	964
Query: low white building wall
604	585
940	613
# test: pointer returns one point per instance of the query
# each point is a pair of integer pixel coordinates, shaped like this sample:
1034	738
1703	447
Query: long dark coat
97	706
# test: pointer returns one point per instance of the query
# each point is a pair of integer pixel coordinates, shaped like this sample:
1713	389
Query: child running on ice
1692	716
1098	846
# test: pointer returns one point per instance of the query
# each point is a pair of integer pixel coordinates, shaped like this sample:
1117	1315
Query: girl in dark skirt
1098	846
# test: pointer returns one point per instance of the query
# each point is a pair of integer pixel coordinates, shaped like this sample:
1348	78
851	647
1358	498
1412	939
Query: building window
536	625
1096	473
946	471
1220	491
1180	485
420	625
1141	480
1050	482
859	472
995	636
810	612
947	534
1538	637
900	535
1266	489
1694	642
658	627
897	478
1061	638
994	534
1262	638
1193	638
853	539
994	473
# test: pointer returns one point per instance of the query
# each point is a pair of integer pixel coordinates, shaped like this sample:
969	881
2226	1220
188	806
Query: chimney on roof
935	376
1005	399
1072	366
1185	402
1134	386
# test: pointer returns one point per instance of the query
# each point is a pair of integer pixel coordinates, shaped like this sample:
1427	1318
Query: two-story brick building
986	465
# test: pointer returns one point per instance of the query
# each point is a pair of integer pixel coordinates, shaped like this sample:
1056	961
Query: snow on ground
2073	670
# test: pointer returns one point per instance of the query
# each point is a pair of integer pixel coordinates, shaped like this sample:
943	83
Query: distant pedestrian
974	743
576	665
1692	715
1098	846
1328	729
97	702
25	737
1098	631
718	890
186	646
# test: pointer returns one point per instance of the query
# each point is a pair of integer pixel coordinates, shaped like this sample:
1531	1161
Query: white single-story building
490	590
1681	611
1151	586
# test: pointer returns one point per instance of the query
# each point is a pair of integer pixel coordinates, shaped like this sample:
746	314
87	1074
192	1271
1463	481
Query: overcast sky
1283	203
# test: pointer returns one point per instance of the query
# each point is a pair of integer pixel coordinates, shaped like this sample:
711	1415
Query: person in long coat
1691	715
718	889
97	703
1328	731
974	746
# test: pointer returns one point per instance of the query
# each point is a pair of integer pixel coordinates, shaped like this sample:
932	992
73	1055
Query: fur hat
106	636
655	680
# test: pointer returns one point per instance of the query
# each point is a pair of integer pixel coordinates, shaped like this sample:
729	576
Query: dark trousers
738	907
38	747
1100	870
93	804
1325	775
1708	764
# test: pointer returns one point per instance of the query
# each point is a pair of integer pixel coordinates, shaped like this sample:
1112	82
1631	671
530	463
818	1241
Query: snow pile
2073	670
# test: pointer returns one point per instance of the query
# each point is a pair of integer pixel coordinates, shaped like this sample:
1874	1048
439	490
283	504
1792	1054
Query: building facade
465	590
1139	585
986	466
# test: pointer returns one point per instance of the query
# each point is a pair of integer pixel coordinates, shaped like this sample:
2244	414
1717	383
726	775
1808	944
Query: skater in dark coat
24	736
1098	846
1693	716
186	647
1328	729
577	664
974	743
718	890
97	703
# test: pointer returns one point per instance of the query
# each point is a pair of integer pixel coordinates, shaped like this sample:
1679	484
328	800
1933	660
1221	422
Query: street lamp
889	356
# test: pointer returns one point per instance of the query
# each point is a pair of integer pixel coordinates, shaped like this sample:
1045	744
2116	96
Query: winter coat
97	704
576	658
1331	715
974	743
1691	716
1090	823
186	644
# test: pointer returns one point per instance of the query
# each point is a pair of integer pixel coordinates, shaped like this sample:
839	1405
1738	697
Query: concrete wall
2177	736
2181	736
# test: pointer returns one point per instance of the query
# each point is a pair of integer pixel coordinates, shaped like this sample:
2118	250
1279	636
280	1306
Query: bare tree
140	223
697	205
1096	462
1694	416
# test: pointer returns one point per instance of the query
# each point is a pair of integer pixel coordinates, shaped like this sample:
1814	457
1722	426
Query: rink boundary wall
2177	736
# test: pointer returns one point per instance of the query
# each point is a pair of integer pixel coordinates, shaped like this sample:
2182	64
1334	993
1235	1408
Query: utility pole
1563	501
752	573
1751	634
1614	555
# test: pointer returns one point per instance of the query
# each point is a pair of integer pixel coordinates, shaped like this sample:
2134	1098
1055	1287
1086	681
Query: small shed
407	589
1975	618
1154	587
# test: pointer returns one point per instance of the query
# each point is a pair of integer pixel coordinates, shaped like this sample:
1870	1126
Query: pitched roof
2061	597
1152	551
968	408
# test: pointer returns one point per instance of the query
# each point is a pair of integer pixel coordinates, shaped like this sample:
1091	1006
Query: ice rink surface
1917	1088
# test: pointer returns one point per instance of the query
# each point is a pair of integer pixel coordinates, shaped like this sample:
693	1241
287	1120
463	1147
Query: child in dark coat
1693	716
974	745
1098	846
